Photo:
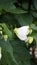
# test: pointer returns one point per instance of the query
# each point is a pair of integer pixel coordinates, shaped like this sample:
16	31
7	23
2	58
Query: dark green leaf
33	26
25	19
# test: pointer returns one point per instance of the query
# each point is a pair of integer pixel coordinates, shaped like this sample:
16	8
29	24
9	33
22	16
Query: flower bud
1	32
16	31
30	39
30	30
5	37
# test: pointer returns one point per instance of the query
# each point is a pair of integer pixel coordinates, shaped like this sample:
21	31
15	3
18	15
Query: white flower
0	54
22	32
30	39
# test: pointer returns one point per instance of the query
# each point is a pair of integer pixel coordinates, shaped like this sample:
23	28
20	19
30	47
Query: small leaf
35	4
33	26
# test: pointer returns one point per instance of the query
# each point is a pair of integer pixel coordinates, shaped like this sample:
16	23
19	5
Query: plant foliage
16	13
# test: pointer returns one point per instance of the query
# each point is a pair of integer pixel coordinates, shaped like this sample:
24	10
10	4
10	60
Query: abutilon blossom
22	33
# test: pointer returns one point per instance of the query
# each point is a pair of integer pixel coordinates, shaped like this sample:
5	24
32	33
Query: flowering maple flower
0	54
22	32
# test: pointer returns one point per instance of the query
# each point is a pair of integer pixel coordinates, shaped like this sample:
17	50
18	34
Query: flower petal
22	32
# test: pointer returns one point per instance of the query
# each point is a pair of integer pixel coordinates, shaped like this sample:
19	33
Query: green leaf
35	35
21	53
35	4
34	27
8	48
24	19
34	14
16	51
16	11
8	5
7	58
25	5
6	30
